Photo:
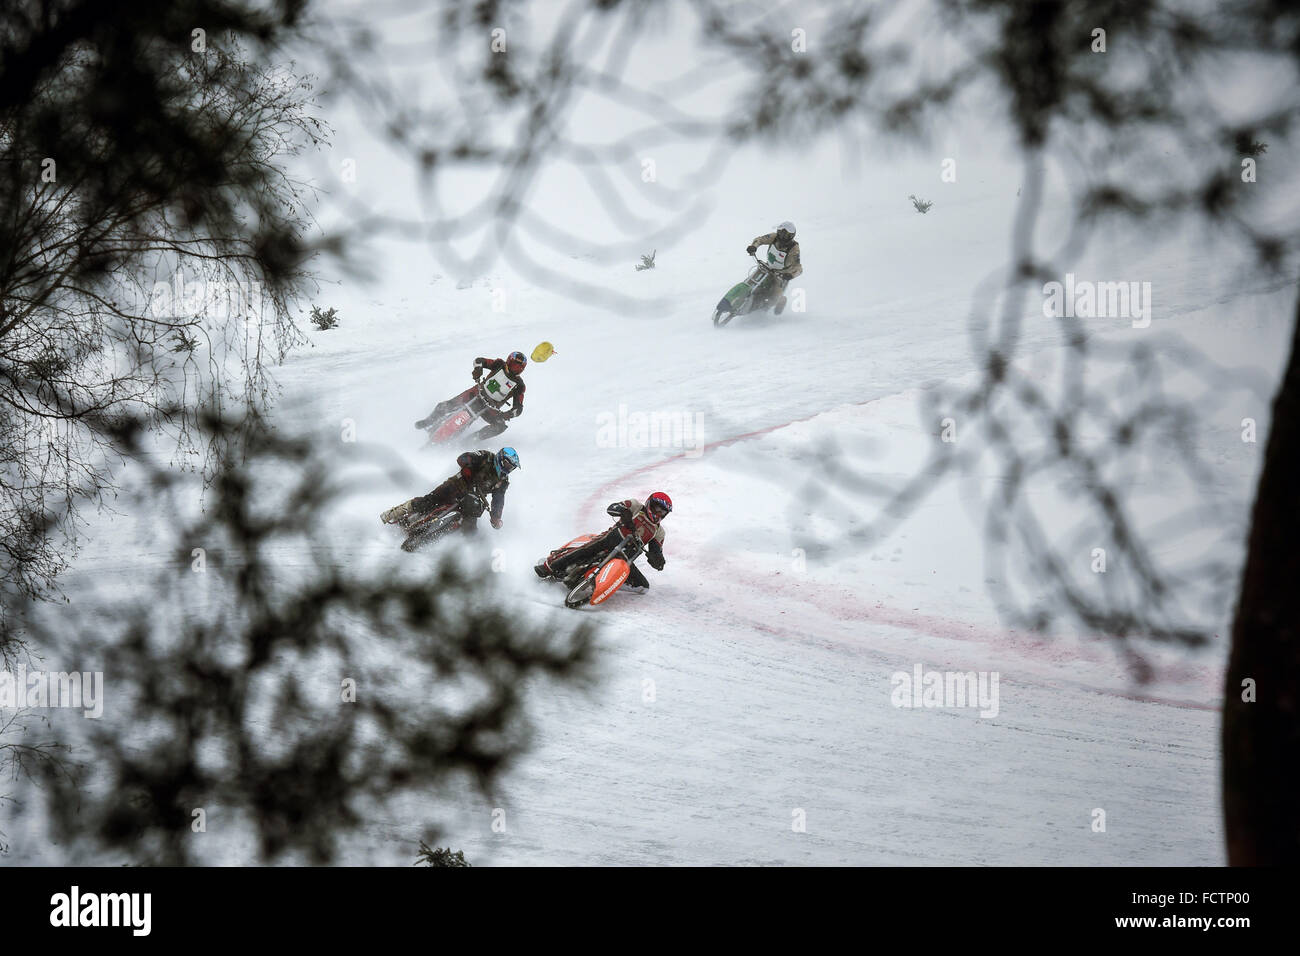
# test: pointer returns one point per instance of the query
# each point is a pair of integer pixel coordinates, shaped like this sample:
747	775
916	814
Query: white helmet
786	226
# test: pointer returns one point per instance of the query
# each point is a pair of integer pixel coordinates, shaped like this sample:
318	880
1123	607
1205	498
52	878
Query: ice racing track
846	604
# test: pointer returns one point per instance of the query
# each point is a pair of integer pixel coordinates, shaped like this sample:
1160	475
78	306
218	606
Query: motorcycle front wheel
581	593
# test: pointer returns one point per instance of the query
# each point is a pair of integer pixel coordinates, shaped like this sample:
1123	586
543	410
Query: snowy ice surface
771	670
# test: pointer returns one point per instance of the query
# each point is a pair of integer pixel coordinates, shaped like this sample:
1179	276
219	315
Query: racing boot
636	581
398	513
440	411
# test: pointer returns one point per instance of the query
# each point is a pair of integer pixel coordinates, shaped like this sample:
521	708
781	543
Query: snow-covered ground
752	684
751	689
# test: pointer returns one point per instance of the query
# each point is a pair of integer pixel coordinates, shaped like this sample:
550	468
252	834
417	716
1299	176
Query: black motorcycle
423	530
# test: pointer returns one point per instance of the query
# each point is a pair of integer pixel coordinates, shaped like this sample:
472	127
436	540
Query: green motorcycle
752	295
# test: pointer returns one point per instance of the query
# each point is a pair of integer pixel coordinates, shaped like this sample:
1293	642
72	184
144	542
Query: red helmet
657	506
516	362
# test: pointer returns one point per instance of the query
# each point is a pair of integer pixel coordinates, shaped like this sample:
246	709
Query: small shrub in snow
921	205
324	320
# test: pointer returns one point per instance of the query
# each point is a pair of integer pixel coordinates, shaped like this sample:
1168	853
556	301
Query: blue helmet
507	460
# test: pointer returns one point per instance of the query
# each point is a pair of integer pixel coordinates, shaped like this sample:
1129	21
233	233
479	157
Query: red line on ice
930	624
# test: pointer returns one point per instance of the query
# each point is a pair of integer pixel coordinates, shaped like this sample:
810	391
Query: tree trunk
1261	739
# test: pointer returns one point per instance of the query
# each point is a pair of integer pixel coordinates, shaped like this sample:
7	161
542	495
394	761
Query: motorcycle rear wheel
429	533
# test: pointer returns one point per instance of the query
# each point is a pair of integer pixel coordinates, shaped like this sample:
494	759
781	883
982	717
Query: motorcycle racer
502	385
483	473
782	255
642	519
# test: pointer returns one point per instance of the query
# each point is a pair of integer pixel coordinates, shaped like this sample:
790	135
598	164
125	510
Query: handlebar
630	542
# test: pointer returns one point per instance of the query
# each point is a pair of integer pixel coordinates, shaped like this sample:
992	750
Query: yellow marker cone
543	352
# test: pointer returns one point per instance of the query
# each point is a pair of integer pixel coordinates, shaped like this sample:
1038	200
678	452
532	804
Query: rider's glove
626	519
751	249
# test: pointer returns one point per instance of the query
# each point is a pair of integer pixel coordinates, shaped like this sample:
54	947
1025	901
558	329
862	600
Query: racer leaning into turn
483	474
642	519
502	383
782	256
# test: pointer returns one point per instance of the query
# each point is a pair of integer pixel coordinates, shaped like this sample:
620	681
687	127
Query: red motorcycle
466	408
600	579
454	416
